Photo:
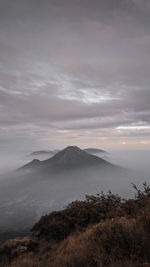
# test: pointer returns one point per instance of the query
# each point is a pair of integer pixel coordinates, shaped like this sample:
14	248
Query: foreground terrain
102	230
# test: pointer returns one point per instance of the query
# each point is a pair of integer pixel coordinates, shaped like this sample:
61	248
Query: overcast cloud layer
74	72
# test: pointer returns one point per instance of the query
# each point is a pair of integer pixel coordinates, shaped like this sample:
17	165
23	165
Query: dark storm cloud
74	64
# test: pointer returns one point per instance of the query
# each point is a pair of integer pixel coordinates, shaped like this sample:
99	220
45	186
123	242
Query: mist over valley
39	186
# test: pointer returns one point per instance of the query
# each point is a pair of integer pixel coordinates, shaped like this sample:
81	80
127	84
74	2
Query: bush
76	217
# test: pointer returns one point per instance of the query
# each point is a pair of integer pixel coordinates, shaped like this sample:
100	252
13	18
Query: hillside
102	230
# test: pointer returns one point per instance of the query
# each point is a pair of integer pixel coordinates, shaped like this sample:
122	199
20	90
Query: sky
74	73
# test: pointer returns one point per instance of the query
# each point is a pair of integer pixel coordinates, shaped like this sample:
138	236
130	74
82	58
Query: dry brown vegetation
103	230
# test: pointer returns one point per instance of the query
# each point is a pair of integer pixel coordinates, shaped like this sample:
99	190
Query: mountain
71	157
46	153
31	165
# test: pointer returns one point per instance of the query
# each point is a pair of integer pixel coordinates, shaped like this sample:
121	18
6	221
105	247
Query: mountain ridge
70	157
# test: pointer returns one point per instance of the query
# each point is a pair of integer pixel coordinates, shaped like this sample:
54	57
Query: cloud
74	65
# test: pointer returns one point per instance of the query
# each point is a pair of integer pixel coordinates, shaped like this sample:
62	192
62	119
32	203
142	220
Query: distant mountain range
69	158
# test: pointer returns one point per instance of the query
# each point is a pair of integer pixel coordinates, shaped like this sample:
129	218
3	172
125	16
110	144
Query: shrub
76	217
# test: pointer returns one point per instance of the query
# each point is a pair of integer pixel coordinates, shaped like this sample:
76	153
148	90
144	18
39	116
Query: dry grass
24	262
105	244
116	243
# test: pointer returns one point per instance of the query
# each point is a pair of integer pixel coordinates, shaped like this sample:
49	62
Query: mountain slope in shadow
50	153
70	158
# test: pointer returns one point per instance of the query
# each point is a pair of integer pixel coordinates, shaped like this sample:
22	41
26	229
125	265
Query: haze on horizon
74	73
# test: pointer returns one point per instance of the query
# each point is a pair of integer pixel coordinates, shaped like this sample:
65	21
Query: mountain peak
73	157
72	149
70	152
31	165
